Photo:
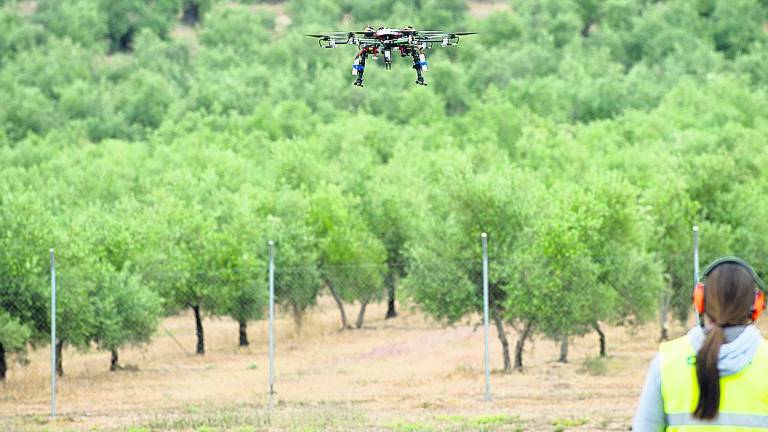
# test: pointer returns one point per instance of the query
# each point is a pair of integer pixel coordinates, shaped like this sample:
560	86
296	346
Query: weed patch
595	366
562	424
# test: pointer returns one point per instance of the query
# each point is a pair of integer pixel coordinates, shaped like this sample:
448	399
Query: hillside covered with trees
158	145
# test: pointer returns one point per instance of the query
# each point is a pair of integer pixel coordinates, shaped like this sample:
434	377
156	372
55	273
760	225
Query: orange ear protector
758	305
698	297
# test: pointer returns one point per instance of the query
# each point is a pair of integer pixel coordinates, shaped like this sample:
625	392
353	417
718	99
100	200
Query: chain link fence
157	320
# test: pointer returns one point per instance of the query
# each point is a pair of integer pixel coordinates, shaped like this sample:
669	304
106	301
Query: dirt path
483	8
406	369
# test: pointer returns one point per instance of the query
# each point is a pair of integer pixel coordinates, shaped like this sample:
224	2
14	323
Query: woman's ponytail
708	375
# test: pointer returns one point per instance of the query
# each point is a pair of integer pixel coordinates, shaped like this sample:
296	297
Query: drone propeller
408	36
445	39
428	33
330	40
332	35
341	33
441	32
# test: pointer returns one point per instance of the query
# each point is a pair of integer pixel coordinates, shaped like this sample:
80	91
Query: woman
715	377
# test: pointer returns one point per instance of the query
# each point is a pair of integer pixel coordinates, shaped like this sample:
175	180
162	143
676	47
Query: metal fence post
696	267
486	354
271	323
53	335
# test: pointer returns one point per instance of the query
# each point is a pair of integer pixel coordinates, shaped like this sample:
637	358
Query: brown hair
729	294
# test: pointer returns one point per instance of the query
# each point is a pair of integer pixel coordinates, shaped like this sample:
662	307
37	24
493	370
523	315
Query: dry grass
187	36
278	9
402	374
27	7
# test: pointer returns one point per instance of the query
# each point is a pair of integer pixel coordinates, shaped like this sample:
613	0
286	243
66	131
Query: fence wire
114	311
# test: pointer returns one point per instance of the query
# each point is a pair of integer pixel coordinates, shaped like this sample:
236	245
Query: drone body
407	41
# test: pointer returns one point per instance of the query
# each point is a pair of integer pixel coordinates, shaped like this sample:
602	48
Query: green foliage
144	98
472	194
297	281
738	24
13	334
236	28
24	294
127	18
25	110
126	310
551	21
344	242
240	271
19	34
82	21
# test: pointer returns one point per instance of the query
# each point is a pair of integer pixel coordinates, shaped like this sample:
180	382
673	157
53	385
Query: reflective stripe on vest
723	419
743	396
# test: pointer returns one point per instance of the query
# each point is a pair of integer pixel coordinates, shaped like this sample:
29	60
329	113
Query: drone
408	41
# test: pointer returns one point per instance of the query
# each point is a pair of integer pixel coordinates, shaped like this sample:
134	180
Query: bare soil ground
403	374
483	8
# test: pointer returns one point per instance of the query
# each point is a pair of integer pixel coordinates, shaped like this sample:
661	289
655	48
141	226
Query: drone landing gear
387	59
359	69
419	64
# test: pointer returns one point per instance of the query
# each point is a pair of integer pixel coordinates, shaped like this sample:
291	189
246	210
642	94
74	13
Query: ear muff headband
735	260
758	305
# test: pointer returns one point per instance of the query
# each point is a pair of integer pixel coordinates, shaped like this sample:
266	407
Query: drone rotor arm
331	40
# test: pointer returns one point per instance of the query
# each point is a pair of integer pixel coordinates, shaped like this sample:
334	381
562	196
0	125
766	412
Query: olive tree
24	283
182	264
351	258
242	260
587	261
14	336
297	278
126	310
388	205
473	193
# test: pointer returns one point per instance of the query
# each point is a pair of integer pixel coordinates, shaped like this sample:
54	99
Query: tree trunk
390	281
340	305
586	30
361	314
126	39
113	363
563	350
3	364
504	343
199	330
59	361
298	317
664	301
243	334
600	333
191	14
520	344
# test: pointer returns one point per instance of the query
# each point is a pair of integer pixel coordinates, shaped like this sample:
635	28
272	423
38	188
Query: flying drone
408	41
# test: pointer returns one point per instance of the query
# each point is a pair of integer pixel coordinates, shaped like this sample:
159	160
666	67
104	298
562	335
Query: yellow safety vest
743	396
